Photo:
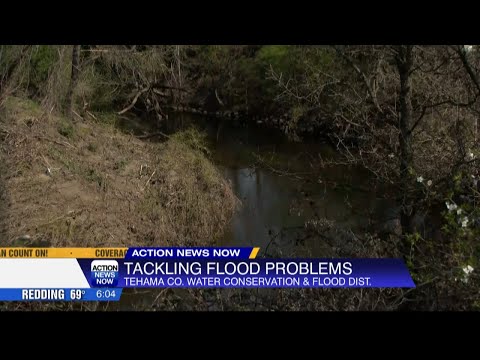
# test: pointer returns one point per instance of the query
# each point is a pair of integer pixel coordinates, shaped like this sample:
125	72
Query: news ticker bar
39	271
105	294
132	253
62	253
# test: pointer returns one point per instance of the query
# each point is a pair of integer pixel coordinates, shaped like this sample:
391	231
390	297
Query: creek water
277	200
275	204
286	188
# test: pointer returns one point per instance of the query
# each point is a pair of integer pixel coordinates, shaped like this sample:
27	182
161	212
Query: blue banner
251	273
186	253
105	294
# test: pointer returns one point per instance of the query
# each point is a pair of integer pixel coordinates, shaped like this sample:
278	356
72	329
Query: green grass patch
66	162
108	118
65	128
92	147
93	176
20	108
120	164
194	139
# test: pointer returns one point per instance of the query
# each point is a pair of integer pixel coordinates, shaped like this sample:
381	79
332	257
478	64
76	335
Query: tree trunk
73	78
404	60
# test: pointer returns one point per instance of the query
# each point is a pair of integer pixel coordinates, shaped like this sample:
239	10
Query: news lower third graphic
104	273
101	274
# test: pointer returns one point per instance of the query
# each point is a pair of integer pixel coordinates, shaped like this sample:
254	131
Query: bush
280	57
96	90
43	59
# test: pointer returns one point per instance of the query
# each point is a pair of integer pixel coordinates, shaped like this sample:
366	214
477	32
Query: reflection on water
265	206
277	206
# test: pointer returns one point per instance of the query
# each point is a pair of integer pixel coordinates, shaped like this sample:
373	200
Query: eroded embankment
89	184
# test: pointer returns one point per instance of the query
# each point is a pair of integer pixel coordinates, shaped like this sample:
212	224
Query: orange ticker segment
254	253
89	253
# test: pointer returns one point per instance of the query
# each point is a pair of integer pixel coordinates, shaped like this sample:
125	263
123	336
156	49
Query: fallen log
135	99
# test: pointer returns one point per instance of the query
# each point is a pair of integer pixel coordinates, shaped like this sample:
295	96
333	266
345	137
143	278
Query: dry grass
188	207
104	188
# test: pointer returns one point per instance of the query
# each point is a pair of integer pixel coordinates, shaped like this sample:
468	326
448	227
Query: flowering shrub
444	262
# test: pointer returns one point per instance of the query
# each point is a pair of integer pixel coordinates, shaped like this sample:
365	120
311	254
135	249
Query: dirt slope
89	184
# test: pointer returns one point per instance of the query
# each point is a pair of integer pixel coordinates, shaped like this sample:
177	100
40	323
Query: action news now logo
104	273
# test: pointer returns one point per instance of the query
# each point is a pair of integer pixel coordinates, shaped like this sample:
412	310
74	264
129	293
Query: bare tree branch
362	75
460	50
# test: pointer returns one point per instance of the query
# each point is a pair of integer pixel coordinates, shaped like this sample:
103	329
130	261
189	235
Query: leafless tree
73	77
404	112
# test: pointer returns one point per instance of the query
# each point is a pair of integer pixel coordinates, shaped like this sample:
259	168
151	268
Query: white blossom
451	207
468	269
429	183
420	179
459	211
391	156
465	222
